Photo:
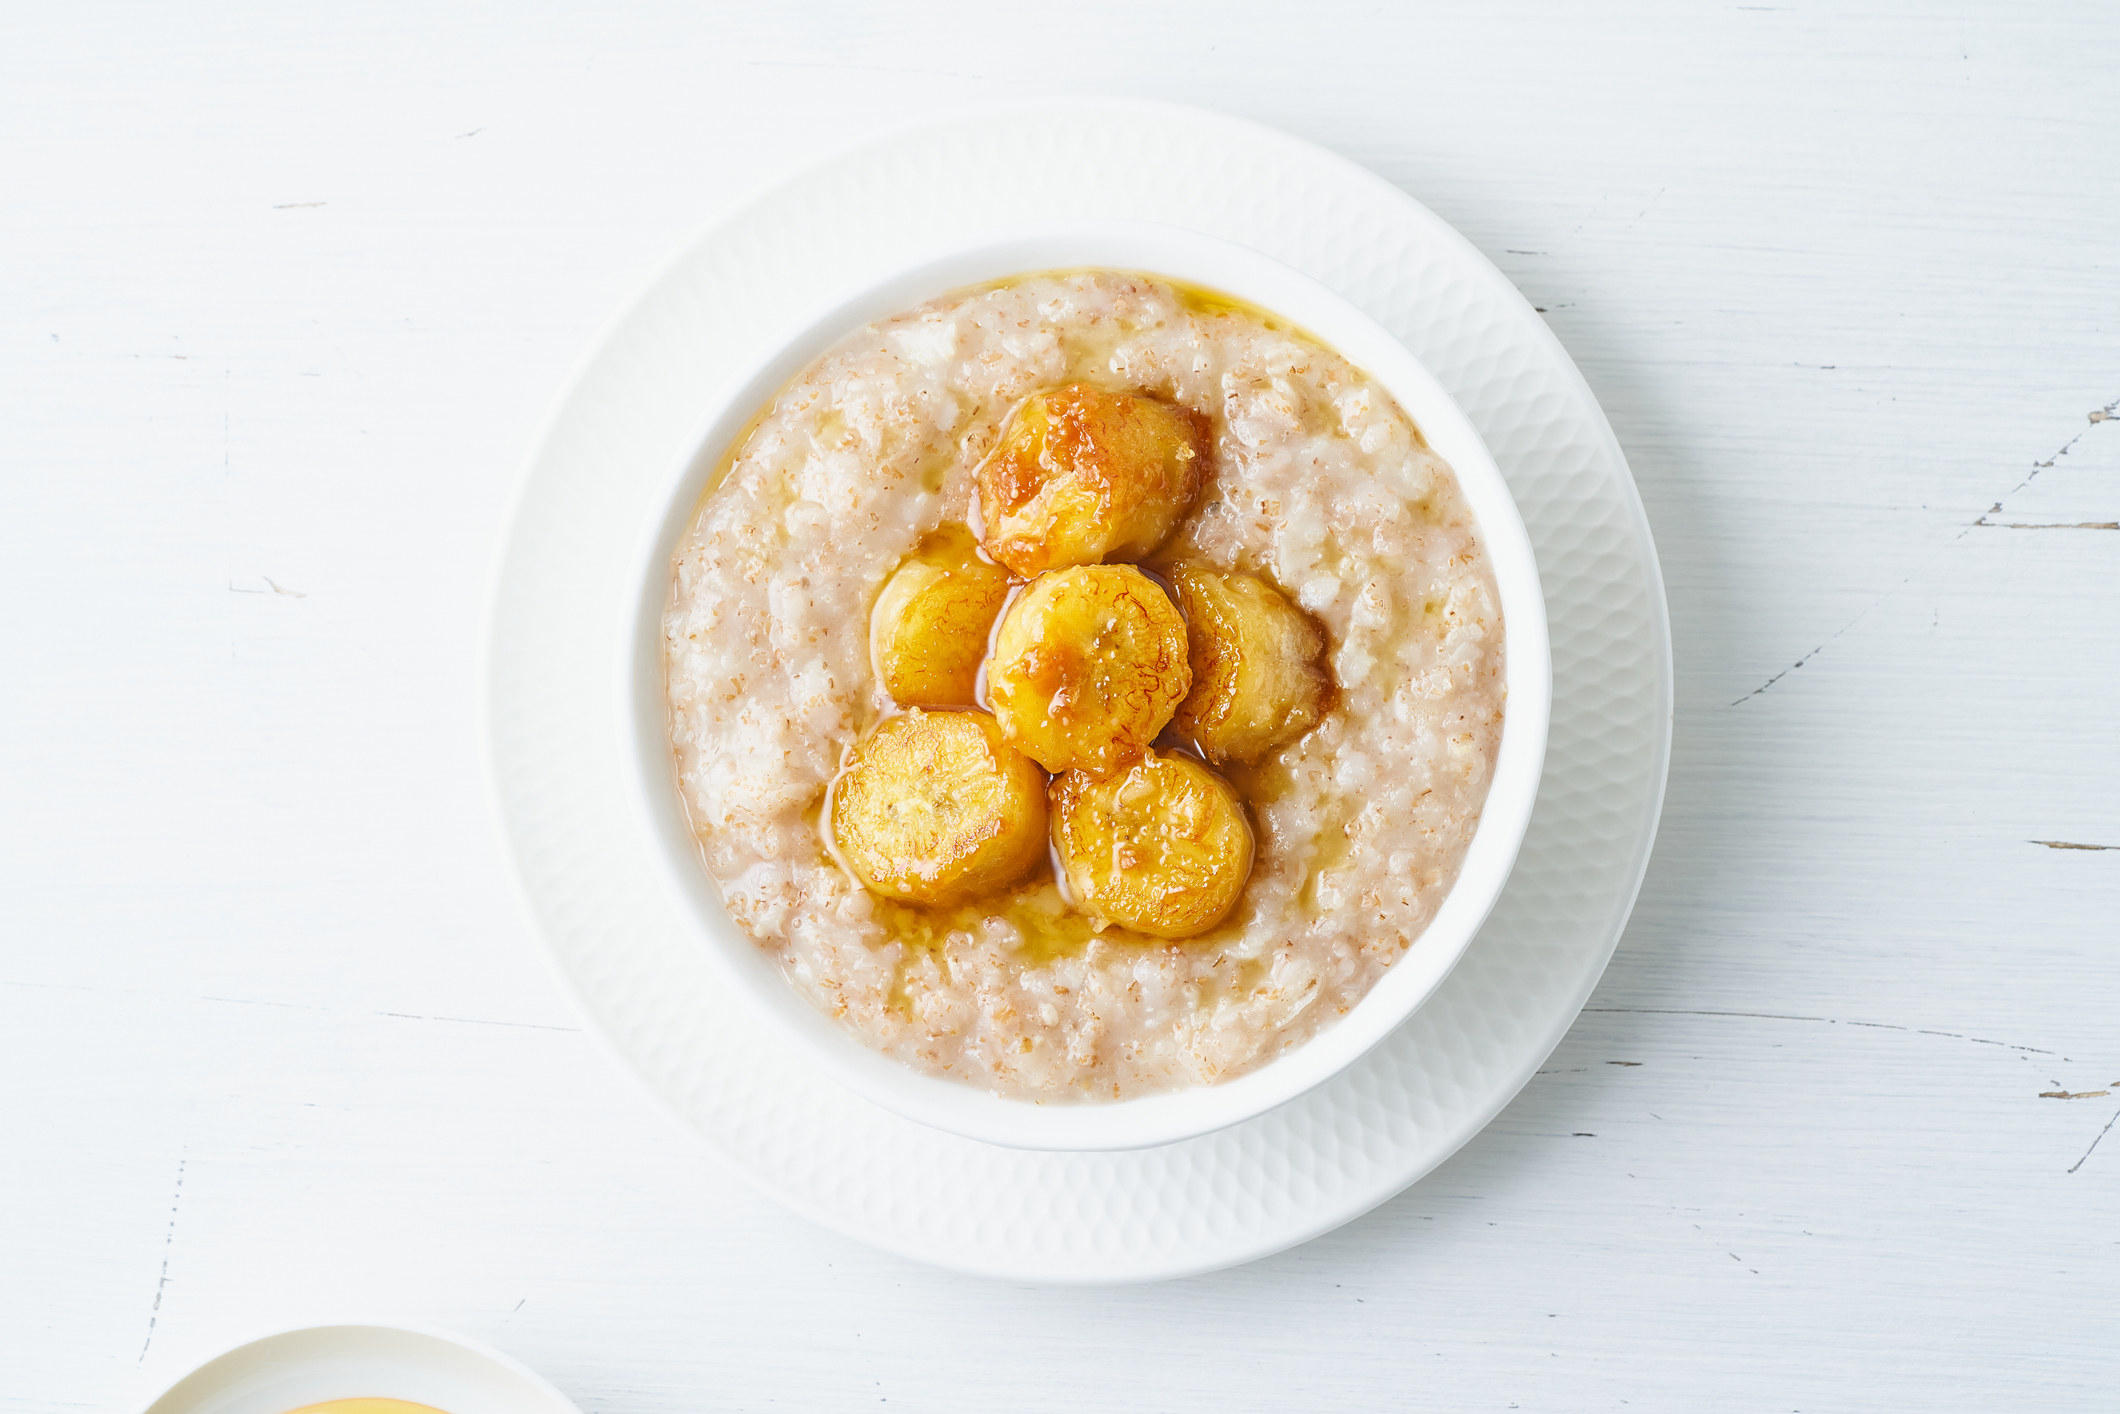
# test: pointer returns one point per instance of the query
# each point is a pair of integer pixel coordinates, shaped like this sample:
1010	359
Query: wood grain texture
286	296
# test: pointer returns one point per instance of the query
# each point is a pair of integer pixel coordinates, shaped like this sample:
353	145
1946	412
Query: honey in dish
366	1406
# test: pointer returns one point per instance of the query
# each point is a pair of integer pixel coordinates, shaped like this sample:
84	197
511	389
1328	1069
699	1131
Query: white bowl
1167	1117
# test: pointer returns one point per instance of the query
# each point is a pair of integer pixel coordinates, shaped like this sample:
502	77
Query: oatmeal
1262	659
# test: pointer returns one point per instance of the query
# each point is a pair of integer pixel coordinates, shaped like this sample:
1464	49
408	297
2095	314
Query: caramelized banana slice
1162	847
935	807
930	625
1083	475
1258	665
1087	668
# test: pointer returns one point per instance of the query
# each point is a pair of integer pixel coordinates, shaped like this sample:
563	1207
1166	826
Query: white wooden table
285	298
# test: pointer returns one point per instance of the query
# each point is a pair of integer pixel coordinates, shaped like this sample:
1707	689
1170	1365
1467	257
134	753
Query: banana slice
1162	847
1087	667
1258	665
934	807
1082	475
929	628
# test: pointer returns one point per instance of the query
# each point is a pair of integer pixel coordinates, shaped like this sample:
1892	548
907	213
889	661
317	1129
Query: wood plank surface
286	292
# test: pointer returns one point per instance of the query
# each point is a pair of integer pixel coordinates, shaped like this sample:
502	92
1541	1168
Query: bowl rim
1163	1117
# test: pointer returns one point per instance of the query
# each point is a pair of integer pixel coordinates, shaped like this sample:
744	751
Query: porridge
1083	685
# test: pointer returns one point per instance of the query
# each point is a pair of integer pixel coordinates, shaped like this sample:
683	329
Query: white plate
556	672
291	1369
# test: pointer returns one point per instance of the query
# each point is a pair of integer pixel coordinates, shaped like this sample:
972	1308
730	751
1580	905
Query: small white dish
288	1370
1227	268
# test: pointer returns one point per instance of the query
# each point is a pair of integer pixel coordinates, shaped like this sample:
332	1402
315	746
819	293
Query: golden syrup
1035	908
1047	926
1201	300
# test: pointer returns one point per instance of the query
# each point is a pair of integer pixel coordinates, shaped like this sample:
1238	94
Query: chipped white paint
285	299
